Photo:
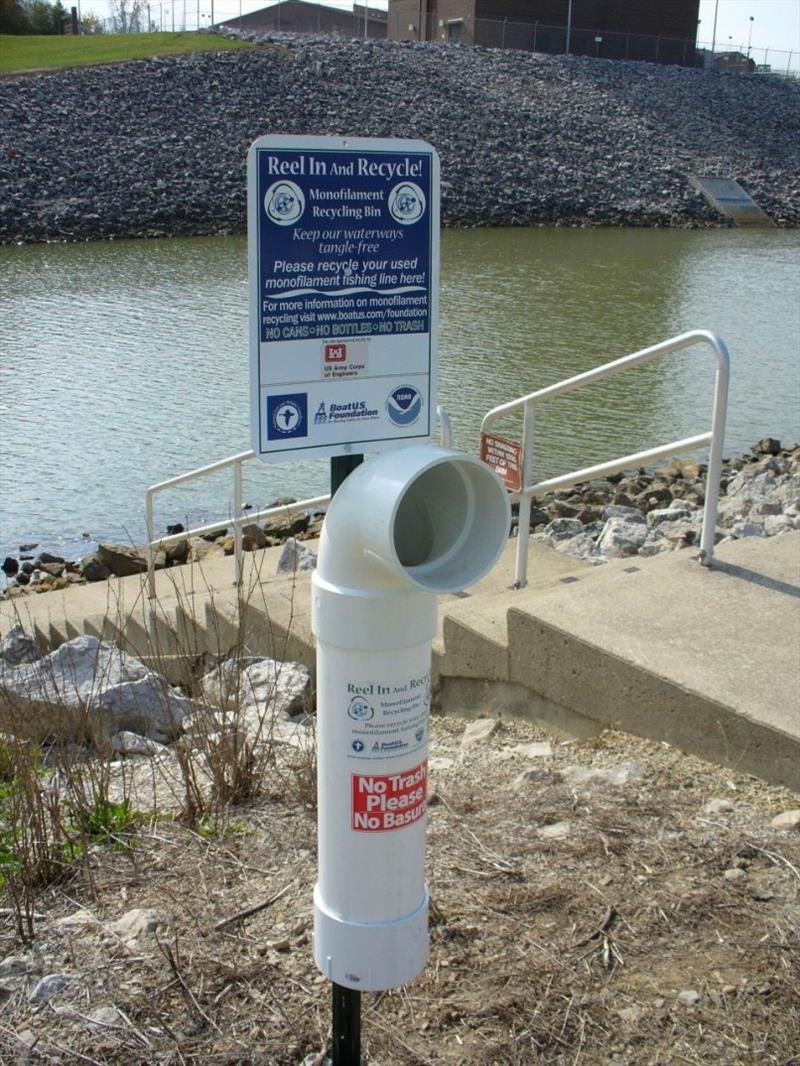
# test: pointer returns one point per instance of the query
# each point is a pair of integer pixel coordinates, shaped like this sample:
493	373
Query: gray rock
615	510
15	966
50	986
89	684
256	534
780	523
735	873
689	998
125	743
93	570
622	537
258	696
17	648
121	560
478	731
603	777
562	529
104	1018
555	831
584	546
668	515
787	820
137	923
295	556
747	529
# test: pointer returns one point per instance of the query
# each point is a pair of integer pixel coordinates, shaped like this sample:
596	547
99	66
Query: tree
128	16
32	16
92	24
12	17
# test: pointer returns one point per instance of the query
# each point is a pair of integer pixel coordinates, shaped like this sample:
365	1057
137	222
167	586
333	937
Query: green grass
59	53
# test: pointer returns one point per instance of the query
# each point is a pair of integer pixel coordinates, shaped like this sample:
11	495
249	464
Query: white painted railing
316	503
527	404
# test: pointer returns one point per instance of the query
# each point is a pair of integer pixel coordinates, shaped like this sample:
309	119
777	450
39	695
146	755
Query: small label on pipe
382	802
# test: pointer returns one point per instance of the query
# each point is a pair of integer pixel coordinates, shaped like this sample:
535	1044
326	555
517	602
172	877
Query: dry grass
559	952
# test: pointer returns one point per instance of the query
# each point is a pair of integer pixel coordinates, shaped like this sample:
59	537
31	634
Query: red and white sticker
335	353
382	802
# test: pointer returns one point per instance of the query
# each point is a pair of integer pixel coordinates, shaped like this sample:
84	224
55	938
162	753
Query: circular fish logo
284	203
359	710
404	405
287	417
406	203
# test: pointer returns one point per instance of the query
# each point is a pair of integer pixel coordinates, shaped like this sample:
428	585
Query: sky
775	23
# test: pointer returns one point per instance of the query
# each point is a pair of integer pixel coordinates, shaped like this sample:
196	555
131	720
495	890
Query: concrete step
708	660
473	637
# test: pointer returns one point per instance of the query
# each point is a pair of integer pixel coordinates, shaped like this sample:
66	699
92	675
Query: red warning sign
389	801
505	458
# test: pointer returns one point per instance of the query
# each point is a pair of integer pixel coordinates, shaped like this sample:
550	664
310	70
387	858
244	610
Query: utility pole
714	31
569	26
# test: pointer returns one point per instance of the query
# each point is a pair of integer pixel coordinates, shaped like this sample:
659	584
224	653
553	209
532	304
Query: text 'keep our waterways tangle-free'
346	292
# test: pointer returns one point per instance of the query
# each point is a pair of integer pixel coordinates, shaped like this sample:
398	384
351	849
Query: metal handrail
319	503
527	404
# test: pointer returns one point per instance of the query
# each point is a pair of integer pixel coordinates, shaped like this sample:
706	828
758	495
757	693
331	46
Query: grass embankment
58	53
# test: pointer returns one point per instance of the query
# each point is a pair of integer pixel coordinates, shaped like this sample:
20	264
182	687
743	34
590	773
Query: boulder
9	566
177	554
93	570
121	560
17	647
258	537
295	556
86	688
622	537
617	510
46	558
478	731
583	546
258	695
561	529
125	743
768	446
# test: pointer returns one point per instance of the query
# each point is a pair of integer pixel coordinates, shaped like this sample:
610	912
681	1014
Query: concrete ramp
728	197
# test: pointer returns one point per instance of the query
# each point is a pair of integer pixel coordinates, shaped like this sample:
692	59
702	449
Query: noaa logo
404	405
359	710
406	203
357	745
284	203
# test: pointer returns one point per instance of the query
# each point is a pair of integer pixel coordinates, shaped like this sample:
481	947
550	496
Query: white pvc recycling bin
403	527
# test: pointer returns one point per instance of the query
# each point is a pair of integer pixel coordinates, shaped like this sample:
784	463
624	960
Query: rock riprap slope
158	147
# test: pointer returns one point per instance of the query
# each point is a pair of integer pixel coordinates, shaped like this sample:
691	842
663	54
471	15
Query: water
125	363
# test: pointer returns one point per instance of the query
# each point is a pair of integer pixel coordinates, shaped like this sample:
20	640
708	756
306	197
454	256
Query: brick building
299	16
662	32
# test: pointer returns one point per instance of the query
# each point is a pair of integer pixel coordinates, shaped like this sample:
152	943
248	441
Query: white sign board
343	247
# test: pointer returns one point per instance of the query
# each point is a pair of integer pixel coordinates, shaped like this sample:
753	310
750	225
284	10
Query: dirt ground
569	914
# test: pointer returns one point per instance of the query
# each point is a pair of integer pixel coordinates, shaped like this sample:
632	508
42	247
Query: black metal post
345	1002
346	1050
341	466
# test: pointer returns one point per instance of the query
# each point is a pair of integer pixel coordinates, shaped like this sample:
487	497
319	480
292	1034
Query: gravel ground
157	147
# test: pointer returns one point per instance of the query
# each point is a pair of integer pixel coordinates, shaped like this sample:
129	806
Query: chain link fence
599	43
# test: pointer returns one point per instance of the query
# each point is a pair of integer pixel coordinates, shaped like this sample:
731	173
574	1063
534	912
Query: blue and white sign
343	243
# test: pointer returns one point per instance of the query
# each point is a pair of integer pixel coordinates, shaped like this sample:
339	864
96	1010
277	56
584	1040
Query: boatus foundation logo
404	405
